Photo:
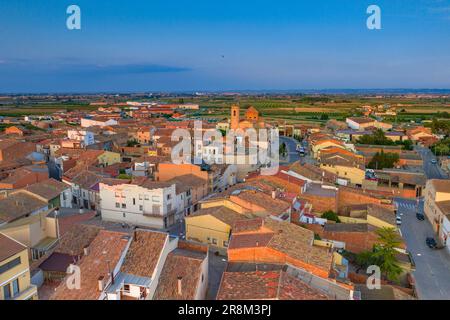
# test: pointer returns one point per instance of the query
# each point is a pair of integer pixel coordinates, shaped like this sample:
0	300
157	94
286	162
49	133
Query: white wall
137	201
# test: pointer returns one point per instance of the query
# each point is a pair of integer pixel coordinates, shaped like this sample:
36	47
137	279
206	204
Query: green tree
383	160
283	149
386	253
441	148
331	215
376	138
383	254
132	143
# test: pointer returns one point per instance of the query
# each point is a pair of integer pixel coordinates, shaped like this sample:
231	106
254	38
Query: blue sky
152	45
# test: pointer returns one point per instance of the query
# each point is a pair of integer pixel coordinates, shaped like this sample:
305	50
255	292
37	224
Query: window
117	205
155	198
225	243
124	215
126	288
15	285
147	197
141	207
124	206
9	265
140	197
7	292
134	201
169	196
214	241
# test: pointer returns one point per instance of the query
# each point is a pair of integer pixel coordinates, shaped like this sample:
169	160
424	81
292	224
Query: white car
398	220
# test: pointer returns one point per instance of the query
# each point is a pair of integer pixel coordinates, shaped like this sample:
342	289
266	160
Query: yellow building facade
15	277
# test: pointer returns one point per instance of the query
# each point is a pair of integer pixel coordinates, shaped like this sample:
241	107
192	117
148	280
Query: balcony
25	294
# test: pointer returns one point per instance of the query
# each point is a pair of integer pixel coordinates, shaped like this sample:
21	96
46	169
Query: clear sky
152	45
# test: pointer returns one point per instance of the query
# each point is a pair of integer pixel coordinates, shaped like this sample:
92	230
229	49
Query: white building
85	123
152	204
445	231
86	137
156	266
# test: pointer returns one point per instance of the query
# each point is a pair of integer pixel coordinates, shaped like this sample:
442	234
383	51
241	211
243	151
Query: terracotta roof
48	189
250	240
444	206
144	252
104	254
297	243
265	284
9	247
182	263
381	213
270	205
247	225
223	214
441	185
19	204
292	240
86	179
75	239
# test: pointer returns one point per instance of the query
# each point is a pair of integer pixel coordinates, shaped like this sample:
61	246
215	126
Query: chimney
101	283
134	235
180	288
274	194
86	251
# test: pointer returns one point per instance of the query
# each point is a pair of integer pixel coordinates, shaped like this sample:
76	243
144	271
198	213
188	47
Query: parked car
420	216
431	243
433	161
398	220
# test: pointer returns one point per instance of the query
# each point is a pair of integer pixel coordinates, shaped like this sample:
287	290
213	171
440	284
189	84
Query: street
432	273
293	154
291	146
432	170
216	267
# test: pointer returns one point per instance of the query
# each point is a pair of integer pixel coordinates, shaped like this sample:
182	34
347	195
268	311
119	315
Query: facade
15	278
84	136
150	205
437	195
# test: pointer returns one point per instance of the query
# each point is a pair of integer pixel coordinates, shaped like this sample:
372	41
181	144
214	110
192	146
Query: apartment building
84	136
148	204
437	204
15	278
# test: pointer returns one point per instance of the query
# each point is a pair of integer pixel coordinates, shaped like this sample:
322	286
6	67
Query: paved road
432	171
216	268
432	273
293	154
291	145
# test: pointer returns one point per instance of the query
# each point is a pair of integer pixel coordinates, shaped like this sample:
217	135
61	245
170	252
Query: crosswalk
405	205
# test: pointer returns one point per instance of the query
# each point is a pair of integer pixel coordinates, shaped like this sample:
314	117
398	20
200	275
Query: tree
441	148
323	116
331	215
376	138
283	149
383	160
383	254
132	143
386	253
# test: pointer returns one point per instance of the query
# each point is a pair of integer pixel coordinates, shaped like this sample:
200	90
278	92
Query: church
251	120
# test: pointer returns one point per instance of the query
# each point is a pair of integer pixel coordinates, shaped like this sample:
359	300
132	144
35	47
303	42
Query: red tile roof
104	254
